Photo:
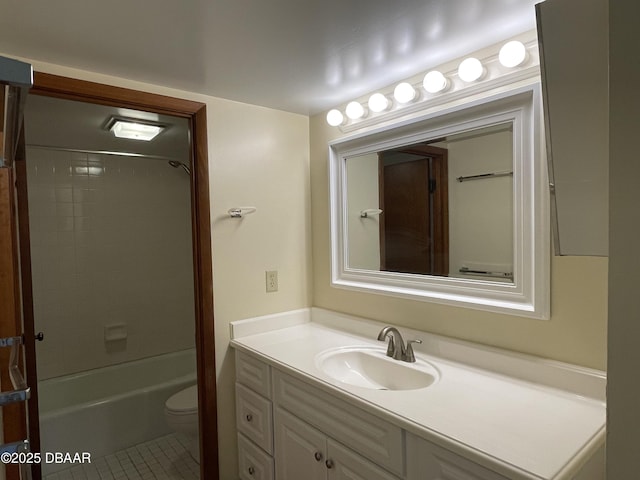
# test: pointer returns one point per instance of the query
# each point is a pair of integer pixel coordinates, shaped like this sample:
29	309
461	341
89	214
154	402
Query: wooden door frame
90	92
13	415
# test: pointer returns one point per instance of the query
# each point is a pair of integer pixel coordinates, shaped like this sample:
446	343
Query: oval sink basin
369	367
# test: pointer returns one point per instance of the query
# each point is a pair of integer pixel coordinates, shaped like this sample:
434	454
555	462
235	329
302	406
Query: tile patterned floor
164	458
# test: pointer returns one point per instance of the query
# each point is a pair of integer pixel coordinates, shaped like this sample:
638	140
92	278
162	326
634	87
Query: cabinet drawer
426	461
254	417
379	441
253	373
253	463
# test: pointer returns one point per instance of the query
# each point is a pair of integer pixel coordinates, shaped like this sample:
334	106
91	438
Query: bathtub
107	409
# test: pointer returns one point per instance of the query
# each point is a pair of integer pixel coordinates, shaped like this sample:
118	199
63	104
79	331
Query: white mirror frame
528	295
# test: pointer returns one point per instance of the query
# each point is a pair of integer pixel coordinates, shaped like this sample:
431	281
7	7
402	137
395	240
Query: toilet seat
185	402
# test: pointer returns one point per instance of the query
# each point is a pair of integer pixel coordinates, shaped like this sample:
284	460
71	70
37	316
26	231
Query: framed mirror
450	207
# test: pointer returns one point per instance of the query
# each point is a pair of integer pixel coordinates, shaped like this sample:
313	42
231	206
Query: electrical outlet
271	278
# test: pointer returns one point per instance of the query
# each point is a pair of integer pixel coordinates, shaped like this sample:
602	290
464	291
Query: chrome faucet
396	347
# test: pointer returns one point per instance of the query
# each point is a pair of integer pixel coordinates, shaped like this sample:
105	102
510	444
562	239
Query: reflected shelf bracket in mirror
482	245
370	212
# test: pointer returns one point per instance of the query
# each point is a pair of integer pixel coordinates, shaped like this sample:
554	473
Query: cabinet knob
251	470
249	417
318	456
329	463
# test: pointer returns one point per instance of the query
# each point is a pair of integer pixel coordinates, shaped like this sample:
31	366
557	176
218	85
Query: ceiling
302	56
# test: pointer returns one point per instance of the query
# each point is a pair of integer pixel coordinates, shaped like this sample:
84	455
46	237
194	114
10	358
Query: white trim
528	295
268	323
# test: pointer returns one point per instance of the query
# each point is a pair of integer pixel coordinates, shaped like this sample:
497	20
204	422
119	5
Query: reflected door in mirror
414	231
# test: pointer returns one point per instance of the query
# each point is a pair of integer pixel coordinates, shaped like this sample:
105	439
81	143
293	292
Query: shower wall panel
111	252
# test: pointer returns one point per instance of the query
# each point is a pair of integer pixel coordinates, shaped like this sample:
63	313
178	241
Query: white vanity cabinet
293	425
426	461
305	452
254	418
366	434
490	414
290	430
298	431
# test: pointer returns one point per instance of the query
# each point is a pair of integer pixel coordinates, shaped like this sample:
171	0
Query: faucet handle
409	355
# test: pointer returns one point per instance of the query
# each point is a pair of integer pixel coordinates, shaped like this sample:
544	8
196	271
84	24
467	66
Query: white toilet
181	412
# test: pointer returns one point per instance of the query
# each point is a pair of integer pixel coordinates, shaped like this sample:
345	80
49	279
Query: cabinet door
343	464
363	432
427	461
300	449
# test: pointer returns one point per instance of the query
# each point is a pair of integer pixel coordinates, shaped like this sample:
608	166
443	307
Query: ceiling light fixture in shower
134	129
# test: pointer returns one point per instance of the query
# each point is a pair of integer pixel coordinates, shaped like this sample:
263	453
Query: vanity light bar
470	71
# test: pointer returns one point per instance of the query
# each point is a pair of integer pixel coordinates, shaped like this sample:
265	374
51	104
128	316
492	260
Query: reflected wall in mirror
446	206
450	207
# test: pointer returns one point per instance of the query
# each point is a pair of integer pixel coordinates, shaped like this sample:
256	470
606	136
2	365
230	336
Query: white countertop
531	430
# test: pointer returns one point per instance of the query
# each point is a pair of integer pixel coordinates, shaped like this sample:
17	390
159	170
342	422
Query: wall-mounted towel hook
239	212
370	212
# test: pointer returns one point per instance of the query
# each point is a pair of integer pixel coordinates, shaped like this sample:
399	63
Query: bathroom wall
257	157
575	333
111	256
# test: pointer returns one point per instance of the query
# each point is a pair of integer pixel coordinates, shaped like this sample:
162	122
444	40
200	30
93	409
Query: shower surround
112	258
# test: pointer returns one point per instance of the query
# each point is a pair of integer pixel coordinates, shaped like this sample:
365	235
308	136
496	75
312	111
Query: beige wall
575	333
258	157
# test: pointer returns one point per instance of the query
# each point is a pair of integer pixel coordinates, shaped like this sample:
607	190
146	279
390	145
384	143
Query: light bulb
512	54
404	92
335	117
435	82
378	102
470	69
354	110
